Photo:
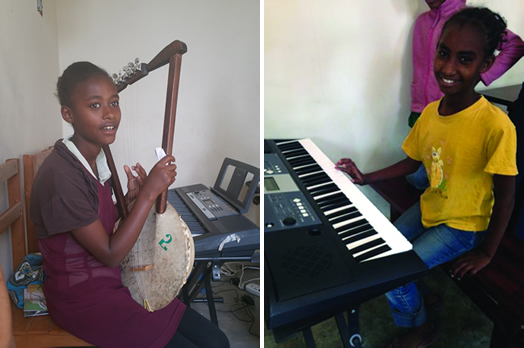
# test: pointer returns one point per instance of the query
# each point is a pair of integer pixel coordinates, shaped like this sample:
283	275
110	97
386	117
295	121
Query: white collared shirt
101	162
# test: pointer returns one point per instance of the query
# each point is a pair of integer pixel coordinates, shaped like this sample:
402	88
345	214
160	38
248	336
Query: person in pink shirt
428	26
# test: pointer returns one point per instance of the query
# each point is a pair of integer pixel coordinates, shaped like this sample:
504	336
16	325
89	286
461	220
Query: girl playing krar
468	148
74	217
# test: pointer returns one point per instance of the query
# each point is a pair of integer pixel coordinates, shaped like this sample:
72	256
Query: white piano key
370	249
333	211
356	235
393	238
347	222
362	241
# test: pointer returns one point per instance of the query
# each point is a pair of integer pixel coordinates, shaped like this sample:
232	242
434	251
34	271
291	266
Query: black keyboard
209	235
342	253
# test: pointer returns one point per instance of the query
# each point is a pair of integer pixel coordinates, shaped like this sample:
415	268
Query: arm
478	258
511	50
402	168
112	249
6	329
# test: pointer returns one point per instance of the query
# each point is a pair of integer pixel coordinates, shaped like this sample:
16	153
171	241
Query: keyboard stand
200	278
205	270
348	330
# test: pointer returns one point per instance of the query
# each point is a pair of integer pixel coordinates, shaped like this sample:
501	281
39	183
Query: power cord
229	271
245	305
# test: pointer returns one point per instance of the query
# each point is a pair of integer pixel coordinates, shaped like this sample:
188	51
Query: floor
239	313
461	324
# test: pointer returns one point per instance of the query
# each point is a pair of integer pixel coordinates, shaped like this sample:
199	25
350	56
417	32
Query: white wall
218	105
339	72
28	70
218	111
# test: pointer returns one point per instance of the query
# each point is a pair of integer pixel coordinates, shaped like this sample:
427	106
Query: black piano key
296	153
289	146
301	161
352	226
331	198
324	189
341	212
315	179
313	168
360	236
340	203
366	246
355	234
374	252
345	217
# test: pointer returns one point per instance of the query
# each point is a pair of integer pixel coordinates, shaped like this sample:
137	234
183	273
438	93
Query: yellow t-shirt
461	152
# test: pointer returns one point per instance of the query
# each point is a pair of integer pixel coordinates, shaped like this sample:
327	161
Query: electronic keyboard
327	247
215	216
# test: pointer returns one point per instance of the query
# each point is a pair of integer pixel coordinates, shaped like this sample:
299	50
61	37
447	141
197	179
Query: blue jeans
434	246
419	179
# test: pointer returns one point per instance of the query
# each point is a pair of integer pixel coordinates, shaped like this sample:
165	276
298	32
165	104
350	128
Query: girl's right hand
348	166
161	176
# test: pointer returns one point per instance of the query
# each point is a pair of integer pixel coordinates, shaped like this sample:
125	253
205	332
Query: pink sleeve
511	50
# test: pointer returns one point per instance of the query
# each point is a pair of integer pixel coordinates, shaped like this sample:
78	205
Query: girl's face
94	112
460	60
435	4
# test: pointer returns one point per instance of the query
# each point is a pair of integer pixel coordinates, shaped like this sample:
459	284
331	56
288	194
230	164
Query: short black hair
74	74
491	24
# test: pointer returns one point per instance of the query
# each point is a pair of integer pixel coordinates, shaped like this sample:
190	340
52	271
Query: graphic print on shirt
437	169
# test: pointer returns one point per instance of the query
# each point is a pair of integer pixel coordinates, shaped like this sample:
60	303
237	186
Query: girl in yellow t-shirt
468	148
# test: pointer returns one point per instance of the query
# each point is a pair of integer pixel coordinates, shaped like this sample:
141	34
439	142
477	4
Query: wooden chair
497	289
36	331
11	217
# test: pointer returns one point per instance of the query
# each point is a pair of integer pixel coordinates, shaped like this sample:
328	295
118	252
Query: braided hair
491	24
72	76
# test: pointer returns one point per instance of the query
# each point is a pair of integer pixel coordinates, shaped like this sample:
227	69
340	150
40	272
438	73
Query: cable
245	304
227	270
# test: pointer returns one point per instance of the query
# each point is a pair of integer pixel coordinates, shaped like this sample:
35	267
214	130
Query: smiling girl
74	217
468	148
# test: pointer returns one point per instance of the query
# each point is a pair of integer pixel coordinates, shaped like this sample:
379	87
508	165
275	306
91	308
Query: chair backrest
516	114
31	165
13	216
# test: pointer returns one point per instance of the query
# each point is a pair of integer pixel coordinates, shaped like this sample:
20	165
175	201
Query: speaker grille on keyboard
307	261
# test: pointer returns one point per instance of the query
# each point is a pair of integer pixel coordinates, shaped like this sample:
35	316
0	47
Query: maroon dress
88	299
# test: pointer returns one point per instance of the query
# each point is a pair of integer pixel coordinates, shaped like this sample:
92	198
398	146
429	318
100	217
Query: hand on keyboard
346	165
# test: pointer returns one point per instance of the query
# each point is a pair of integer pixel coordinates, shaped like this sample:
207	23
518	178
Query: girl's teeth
109	127
447	81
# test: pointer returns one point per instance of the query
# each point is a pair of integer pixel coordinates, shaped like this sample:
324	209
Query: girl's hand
469	263
348	166
161	176
134	183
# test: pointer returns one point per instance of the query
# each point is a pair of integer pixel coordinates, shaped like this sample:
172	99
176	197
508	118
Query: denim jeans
434	246
419	179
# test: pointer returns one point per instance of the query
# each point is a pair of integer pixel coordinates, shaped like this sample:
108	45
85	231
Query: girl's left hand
469	263
348	166
134	182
